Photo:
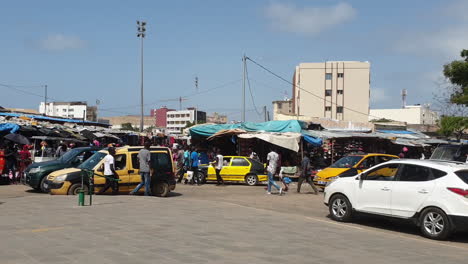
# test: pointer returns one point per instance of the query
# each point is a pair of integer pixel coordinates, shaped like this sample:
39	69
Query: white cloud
59	42
446	43
308	20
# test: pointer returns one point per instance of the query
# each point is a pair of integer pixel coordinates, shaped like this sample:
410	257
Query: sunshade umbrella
17	138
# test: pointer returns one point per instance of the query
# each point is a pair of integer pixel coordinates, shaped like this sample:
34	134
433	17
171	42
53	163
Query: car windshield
90	163
346	162
70	155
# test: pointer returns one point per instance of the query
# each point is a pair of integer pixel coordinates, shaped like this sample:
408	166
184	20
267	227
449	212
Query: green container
81	198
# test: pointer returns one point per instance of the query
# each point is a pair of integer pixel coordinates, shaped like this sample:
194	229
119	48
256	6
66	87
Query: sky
88	50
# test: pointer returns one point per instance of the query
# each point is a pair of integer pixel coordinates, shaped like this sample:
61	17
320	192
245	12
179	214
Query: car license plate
322	182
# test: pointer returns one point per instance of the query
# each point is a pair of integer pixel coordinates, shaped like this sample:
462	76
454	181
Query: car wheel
251	179
340	208
161	189
435	224
76	187
42	188
202	176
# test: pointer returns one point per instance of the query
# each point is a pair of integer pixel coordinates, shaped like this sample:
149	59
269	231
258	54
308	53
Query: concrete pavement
202	224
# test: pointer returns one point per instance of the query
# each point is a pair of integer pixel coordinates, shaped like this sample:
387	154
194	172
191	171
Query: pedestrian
285	180
218	164
144	159
187	162
306	172
62	148
180	164
25	160
110	174
194	166
253	154
11	158
272	163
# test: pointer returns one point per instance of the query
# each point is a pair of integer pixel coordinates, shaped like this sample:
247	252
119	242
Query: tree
457	73
127	126
149	129
381	120
453	125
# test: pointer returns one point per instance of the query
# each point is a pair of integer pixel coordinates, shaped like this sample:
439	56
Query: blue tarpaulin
316	142
271	126
9	127
396	131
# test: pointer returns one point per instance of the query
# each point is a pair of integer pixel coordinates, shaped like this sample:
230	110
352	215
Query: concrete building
282	107
411	114
338	90
134	120
178	120
216	118
160	116
77	110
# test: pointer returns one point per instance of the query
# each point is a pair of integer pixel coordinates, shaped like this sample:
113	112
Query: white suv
432	193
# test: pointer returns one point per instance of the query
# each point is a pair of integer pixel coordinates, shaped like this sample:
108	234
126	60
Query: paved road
206	224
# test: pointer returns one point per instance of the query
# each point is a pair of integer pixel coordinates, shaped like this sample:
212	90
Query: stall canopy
9	127
288	140
295	126
316	142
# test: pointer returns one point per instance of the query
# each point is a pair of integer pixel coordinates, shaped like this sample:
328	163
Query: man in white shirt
110	174
218	167
272	161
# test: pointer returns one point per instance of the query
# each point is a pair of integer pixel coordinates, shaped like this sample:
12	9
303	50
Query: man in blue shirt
194	166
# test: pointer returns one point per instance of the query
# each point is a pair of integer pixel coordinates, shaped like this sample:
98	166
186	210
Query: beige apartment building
338	90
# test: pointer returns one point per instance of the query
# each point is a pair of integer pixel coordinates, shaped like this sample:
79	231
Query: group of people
14	161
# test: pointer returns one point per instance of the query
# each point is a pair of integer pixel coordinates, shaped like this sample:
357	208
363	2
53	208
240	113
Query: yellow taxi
236	169
350	165
69	181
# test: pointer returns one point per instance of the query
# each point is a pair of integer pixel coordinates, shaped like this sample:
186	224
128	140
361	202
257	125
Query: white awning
287	140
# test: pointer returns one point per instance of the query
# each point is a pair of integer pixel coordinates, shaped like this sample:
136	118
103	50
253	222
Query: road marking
41	229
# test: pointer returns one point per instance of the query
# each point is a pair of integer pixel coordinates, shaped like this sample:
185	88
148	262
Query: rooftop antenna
403	97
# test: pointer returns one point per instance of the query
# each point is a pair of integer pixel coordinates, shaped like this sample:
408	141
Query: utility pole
243	87
141	34
45	100
265	113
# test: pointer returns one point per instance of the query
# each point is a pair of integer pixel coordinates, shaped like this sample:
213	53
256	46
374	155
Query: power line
189	95
250	91
297	86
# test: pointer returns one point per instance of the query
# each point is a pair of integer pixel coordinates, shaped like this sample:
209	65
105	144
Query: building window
328	92
339	109
339	91
327	108
64	110
328	76
71	110
340	75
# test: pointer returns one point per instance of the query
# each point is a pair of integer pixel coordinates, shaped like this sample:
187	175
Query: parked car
68	181
37	172
349	166
236	169
453	152
433	194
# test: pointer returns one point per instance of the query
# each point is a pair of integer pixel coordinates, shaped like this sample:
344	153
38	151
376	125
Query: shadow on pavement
400	225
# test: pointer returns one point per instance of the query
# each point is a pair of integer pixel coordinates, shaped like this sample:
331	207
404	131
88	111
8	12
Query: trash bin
81	197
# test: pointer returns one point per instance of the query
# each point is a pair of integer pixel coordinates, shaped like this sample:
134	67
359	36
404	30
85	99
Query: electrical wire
250	91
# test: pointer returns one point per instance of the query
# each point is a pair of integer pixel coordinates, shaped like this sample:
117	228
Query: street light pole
141	34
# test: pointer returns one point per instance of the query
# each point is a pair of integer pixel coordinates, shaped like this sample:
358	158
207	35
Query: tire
73	190
251	179
435	224
340	208
161	189
41	185
202	177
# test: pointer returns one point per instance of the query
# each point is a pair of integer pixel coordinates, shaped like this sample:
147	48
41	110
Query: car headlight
35	170
316	178
333	178
60	178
